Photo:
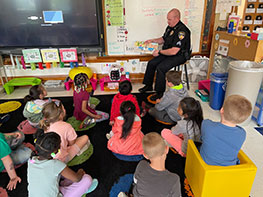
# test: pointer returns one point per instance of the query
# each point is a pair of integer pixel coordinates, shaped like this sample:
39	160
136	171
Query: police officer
175	50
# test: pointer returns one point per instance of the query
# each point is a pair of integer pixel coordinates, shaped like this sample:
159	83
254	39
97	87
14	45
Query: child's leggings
75	189
174	140
105	116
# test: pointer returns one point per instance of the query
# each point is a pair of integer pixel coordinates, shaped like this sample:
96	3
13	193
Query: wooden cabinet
237	46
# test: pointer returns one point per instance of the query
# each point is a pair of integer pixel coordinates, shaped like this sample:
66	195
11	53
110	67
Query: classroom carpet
102	165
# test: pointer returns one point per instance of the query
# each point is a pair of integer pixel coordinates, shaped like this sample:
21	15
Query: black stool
178	68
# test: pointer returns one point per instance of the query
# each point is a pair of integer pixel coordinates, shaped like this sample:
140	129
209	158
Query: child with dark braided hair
82	109
42	166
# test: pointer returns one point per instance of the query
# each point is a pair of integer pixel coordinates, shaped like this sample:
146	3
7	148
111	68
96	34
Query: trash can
217	90
244	78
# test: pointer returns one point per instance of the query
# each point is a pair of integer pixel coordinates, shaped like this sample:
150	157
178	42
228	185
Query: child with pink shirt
53	115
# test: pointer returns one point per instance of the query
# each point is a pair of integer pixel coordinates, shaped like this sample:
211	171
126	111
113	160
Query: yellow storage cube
218	181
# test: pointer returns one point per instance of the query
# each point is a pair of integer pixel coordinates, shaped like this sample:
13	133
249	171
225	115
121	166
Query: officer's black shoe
145	89
156	96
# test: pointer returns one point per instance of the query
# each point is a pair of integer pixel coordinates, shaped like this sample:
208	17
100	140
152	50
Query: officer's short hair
174	77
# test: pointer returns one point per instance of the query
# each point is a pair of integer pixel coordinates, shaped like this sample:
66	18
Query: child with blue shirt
221	141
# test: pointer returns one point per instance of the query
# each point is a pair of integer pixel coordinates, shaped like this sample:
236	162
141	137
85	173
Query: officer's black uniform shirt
177	36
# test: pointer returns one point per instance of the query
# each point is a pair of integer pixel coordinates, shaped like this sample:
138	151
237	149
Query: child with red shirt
124	94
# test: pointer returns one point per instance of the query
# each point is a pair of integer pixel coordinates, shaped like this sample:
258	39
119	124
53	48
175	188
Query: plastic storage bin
217	90
258	109
244	78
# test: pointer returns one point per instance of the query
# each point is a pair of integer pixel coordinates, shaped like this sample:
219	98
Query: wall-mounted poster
68	55
50	55
32	55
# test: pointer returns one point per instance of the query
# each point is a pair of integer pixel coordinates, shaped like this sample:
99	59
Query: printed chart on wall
131	22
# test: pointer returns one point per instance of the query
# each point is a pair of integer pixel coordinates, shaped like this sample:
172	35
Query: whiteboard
146	19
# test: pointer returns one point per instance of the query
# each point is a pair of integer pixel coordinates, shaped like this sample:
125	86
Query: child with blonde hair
221	141
53	115
151	178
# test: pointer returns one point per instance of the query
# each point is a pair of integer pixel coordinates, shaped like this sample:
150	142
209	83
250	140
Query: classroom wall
96	67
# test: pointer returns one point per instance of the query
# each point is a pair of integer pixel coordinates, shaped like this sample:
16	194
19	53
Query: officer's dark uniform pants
161	64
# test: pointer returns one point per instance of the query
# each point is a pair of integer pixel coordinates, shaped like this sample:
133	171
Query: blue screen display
53	16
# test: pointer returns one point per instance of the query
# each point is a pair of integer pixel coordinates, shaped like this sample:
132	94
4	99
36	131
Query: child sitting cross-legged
44	172
124	94
187	128
71	145
126	136
82	109
221	141
33	109
151	178
13	152
34	104
165	109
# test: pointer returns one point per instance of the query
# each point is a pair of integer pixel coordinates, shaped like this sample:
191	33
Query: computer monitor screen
50	23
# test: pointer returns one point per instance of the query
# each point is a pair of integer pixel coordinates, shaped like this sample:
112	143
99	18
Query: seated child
152	179
187	128
221	141
165	109
34	104
44	172
126	136
12	152
71	145
125	88
82	108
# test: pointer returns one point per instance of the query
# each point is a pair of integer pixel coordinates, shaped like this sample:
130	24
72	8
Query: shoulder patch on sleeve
181	35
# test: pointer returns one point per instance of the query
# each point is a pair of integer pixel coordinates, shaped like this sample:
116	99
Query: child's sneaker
86	122
122	194
93	186
108	136
145	109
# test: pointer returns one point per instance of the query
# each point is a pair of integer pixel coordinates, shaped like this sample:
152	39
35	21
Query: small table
9	86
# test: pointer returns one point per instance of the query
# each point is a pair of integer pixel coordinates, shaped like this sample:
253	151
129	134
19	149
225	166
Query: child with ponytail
82	108
71	145
188	127
126	136
44	172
